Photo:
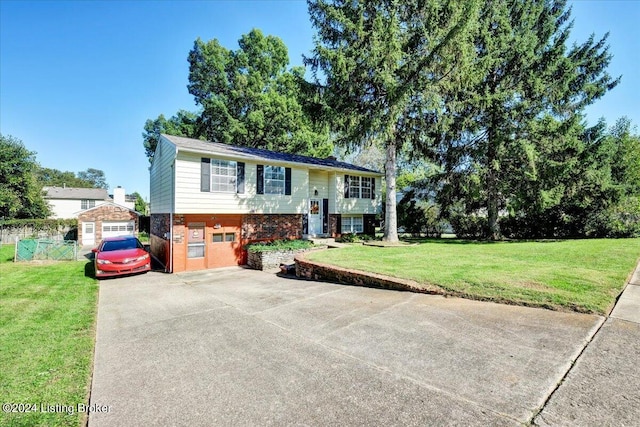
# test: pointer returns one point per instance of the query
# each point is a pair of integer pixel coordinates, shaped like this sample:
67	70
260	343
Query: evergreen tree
523	71
382	66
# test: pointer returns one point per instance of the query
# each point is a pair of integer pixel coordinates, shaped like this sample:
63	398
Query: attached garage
106	220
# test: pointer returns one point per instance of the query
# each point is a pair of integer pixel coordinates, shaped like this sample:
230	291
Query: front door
88	233
315	217
196	246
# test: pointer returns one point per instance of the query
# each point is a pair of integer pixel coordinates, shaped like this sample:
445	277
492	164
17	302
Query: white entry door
88	233
315	217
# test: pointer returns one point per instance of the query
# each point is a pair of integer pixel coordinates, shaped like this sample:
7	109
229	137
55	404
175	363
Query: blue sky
78	79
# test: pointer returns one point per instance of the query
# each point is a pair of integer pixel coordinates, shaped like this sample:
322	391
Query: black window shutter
373	187
339	224
287	181
260	180
240	177
205	174
346	186
325	216
305	224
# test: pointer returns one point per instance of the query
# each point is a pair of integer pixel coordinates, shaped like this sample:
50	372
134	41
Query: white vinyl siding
67	208
161	178
189	198
356	206
318	181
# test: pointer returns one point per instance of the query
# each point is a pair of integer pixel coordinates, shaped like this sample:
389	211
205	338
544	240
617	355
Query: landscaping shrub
279	245
354	238
469	226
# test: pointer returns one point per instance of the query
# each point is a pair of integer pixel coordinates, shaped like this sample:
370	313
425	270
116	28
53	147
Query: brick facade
335	225
256	227
159	235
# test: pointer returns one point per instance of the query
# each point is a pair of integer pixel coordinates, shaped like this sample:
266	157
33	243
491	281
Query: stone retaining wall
272	259
317	271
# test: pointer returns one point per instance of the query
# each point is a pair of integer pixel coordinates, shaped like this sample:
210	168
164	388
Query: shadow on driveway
243	347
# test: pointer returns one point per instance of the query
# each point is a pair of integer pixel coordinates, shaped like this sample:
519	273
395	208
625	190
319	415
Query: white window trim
368	187
354	185
352	228
230	164
272	181
87	204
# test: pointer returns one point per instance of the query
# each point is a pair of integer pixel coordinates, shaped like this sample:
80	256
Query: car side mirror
94	250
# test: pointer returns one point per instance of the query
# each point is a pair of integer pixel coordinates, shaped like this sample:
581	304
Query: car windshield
118	245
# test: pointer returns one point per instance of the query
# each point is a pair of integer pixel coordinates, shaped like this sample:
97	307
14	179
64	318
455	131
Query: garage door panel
118	228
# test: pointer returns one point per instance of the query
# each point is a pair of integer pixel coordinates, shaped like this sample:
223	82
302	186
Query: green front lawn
47	321
581	275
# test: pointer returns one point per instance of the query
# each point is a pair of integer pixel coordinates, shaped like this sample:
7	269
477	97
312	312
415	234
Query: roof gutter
284	162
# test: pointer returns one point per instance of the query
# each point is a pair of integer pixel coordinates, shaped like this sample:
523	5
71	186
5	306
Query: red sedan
121	255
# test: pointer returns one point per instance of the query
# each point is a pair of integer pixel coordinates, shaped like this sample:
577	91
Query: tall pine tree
382	66
523	71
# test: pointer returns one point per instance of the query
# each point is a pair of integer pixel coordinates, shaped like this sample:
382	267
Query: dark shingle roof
195	145
75	193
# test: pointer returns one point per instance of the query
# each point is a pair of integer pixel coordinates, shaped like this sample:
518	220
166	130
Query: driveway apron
242	347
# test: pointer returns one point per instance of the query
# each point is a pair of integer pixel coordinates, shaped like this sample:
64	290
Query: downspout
173	207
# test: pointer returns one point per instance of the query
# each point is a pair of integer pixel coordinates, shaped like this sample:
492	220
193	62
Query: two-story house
208	200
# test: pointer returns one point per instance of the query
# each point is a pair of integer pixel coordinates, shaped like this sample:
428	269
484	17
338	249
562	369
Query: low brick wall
272	259
317	271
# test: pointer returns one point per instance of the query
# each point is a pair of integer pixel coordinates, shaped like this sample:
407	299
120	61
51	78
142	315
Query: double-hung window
352	224
274	180
354	187
365	187
223	176
87	204
359	187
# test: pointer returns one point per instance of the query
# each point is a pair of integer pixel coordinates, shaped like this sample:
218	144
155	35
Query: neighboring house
208	200
67	202
98	215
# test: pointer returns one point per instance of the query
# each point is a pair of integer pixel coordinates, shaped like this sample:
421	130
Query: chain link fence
46	249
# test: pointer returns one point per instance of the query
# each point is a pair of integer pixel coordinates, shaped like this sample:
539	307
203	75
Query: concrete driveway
243	347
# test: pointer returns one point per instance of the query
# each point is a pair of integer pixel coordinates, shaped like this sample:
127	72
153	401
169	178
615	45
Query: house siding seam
161	178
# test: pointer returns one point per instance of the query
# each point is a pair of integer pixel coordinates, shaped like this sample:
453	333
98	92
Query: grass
580	275
47	331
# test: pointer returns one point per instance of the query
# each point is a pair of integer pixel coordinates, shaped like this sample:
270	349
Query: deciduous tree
95	176
250	98
183	123
20	194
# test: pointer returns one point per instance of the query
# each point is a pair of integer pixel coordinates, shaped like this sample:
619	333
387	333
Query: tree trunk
492	188
391	215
